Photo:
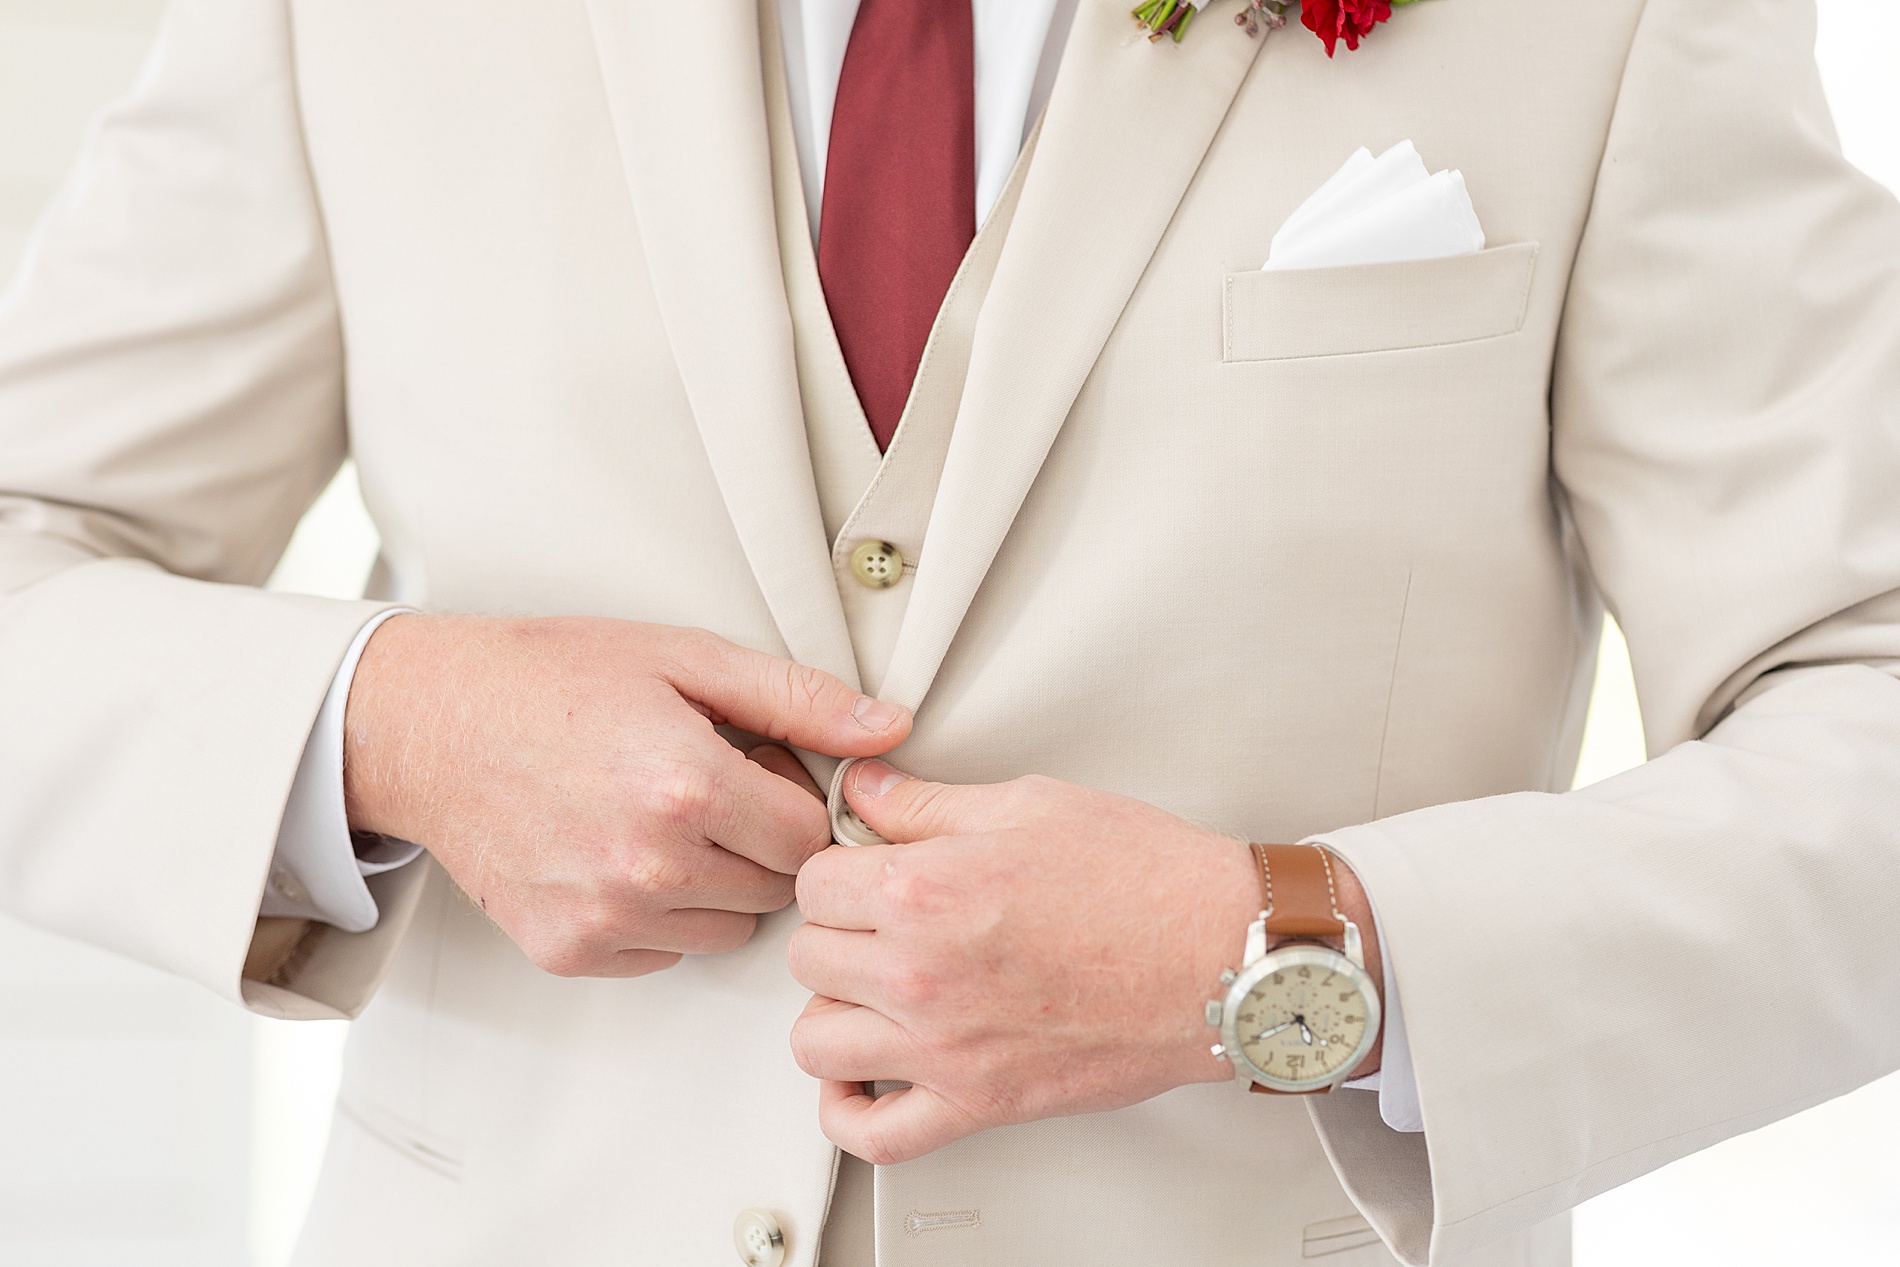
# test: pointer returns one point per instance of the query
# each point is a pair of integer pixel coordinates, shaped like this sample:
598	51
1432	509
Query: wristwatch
1301	1012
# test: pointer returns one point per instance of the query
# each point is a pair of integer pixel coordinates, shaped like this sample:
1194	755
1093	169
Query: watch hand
1269	1033
1306	1034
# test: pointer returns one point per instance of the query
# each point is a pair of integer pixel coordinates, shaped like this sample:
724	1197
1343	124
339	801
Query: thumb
904	810
792	703
898	1126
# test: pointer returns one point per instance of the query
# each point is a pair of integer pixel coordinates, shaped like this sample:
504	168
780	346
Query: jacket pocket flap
1281	316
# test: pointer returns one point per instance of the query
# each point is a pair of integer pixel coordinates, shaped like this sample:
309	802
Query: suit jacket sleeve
170	404
1598	983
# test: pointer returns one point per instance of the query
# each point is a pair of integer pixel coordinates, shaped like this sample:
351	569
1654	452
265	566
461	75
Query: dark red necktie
900	191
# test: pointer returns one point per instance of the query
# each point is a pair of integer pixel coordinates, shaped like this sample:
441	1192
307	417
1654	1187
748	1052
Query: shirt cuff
1395	1082
317	872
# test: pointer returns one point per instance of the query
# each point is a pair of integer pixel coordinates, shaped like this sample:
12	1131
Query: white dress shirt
1018	47
318	873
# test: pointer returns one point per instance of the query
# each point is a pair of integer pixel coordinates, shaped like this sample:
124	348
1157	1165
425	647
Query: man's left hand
1022	951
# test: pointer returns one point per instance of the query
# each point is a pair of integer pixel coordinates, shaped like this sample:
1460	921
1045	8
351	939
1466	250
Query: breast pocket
1294	314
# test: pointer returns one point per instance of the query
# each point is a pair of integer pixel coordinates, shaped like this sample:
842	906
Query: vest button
846	827
757	1237
877	565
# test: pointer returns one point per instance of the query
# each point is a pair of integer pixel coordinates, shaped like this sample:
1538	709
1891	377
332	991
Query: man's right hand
567	774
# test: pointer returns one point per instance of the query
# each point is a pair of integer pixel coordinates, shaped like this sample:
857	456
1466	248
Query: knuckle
911	893
793	691
880	1148
696	646
806	1053
928	801
599	926
706	641
729	934
808	883
679	794
810	837
656	873
780	892
798	956
800	830
940	809
563	955
686	654
914	986
807	689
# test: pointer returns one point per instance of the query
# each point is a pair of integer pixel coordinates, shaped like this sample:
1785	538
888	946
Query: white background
143	1122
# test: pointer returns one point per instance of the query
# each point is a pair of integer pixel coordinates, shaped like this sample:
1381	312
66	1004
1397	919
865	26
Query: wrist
1233	902
1230	900
382	691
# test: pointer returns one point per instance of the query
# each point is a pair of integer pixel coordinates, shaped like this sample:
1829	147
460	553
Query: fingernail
874	714
874	778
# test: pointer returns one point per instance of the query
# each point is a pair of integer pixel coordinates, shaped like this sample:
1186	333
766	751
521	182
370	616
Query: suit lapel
689	112
1126	129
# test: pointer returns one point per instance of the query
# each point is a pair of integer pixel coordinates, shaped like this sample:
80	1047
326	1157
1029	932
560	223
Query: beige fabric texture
1328	574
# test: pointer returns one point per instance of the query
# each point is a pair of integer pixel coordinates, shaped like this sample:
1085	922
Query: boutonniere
1331	20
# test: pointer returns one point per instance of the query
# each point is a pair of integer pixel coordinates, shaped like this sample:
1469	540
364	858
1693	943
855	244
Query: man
693	376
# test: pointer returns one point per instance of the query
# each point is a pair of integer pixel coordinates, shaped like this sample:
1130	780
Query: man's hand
1024	951
567	774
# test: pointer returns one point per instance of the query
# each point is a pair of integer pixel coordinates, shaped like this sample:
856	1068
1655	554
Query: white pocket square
1382	210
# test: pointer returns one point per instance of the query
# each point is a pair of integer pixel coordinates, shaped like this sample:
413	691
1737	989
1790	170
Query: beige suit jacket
1288	554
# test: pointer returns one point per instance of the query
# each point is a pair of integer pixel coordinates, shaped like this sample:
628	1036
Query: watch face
1305	1017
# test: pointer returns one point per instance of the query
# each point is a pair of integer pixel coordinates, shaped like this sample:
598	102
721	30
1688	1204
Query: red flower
1334	20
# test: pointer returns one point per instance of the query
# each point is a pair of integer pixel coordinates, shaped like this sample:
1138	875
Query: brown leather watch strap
1296	891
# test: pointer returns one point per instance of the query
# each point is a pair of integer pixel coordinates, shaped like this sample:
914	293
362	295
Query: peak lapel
689	111
1126	129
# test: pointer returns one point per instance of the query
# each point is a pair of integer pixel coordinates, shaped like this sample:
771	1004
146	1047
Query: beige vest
862	495
867	496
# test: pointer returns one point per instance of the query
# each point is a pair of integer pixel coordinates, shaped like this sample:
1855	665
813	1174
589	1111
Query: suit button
878	565
756	1235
